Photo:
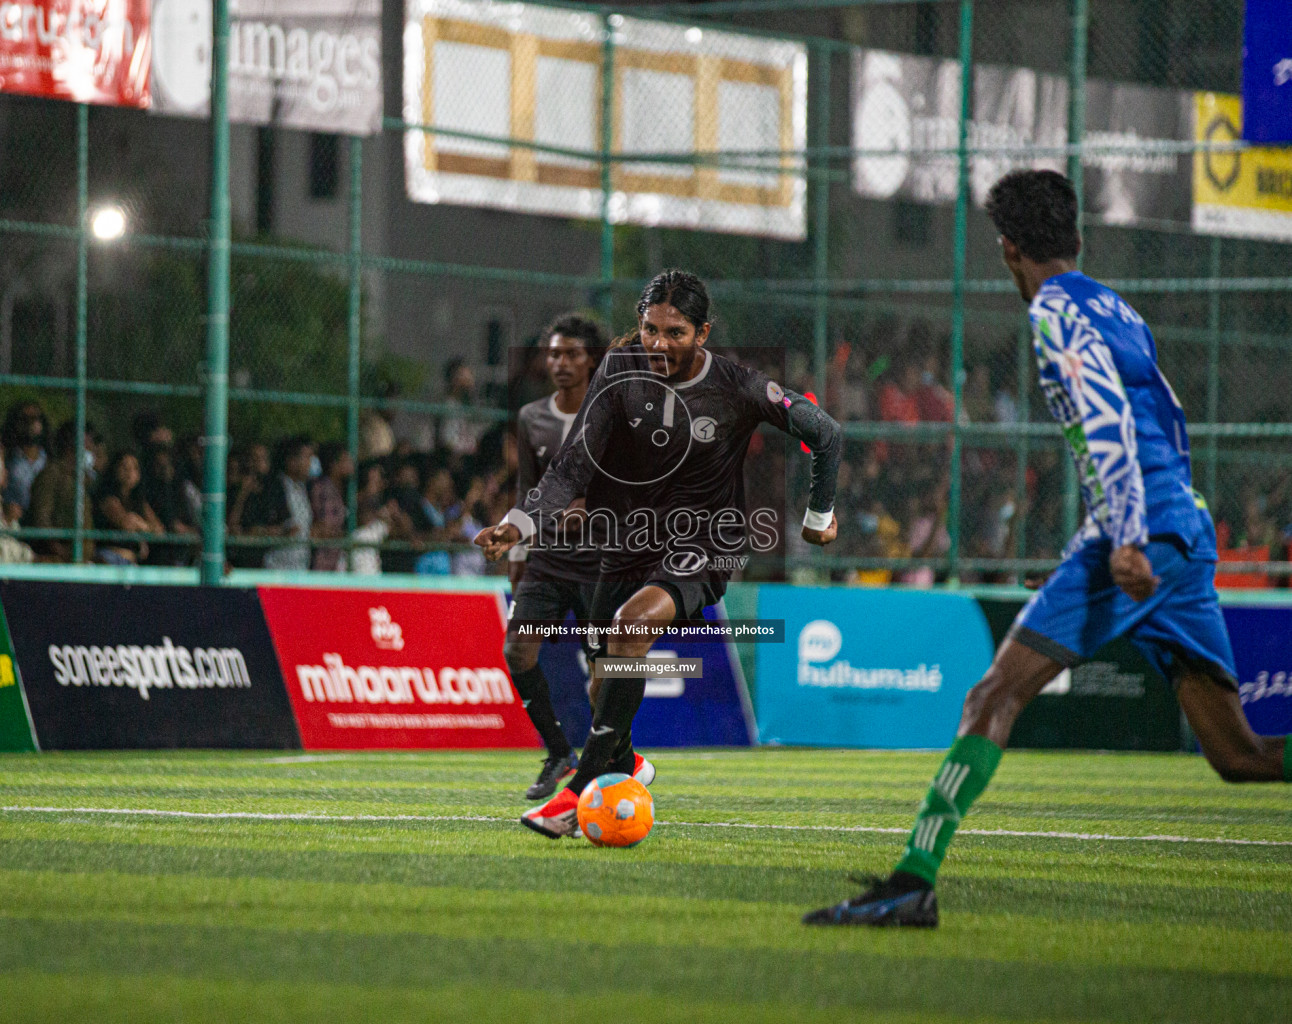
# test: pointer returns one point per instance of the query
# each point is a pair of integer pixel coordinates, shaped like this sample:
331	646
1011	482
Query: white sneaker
643	770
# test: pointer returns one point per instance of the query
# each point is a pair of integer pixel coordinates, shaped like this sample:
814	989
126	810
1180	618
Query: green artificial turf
412	894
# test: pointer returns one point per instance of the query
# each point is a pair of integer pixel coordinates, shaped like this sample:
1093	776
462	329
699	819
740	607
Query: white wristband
521	520
818	520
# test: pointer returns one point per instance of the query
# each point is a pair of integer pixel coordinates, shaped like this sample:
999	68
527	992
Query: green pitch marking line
324	818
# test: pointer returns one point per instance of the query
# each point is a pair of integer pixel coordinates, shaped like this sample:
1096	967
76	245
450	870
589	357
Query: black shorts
548	600
691	594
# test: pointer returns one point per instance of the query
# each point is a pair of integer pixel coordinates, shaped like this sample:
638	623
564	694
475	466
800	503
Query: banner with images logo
369	670
910	104
868	668
15	722
87	51
1262	640
1245	194
308	64
713	711
116	667
535	74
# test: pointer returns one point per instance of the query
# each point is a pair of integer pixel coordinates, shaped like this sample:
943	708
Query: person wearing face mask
25	432
282	507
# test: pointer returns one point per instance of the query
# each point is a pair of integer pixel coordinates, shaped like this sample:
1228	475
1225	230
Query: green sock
969	766
1287	759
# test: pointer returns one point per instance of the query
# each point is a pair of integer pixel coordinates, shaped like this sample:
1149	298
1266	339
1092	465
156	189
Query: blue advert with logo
1262	639
713	711
1267	71
868	668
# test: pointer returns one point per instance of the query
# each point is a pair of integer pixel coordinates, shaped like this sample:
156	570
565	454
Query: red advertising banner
90	51
377	670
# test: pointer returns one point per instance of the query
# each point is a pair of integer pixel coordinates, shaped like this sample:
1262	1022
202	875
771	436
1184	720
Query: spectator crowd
423	487
287	506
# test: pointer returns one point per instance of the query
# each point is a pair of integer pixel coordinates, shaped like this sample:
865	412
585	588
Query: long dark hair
110	487
677	288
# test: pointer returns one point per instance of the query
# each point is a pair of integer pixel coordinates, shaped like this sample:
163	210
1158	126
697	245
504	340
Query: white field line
304	759
144	812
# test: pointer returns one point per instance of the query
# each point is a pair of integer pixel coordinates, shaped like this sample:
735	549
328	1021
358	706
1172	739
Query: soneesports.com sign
143	669
106	666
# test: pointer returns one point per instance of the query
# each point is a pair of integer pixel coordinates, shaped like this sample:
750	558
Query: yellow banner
1247	194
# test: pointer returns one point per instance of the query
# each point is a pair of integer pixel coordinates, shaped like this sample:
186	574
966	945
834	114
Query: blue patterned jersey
1098	369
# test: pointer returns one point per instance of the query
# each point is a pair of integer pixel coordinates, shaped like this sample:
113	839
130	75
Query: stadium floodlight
108	222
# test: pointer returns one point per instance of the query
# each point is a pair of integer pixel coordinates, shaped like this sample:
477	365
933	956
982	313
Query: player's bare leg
1017	674
1231	747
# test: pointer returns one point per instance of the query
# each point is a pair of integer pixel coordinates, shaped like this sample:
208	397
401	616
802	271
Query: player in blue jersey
1143	565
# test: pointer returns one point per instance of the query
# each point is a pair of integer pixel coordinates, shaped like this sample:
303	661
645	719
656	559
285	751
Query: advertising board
88	51
395	669
1115	701
712	711
1262	639
868	668
107	666
308	64
15	723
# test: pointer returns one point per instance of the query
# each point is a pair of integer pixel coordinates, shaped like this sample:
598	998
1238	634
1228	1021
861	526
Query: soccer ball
616	810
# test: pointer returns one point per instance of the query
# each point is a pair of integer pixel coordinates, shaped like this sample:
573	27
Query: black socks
609	746
532	687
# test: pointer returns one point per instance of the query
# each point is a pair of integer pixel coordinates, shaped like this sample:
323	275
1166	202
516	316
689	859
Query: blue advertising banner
1262	640
1267	73
868	668
710	712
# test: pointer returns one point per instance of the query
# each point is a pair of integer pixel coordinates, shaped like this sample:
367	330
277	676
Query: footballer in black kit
662	437
559	574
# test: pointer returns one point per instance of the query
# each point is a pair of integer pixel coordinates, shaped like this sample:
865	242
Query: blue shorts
1080	608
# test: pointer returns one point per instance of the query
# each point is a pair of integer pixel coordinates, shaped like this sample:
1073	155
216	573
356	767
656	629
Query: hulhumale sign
106	666
863	668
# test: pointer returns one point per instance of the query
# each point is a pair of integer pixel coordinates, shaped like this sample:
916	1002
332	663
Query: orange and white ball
616	810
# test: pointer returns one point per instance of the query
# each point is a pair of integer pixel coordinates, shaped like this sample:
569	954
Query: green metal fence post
1213	369
82	294
607	292
355	324
215	452
1022	414
1076	174
960	257
821	221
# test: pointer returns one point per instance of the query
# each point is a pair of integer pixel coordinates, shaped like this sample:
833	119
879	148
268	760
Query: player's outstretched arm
566	479
809	423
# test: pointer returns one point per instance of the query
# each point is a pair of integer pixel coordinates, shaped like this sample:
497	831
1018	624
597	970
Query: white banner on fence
911	104
482	71
309	64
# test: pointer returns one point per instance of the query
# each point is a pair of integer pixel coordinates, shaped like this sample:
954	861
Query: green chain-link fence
816	163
